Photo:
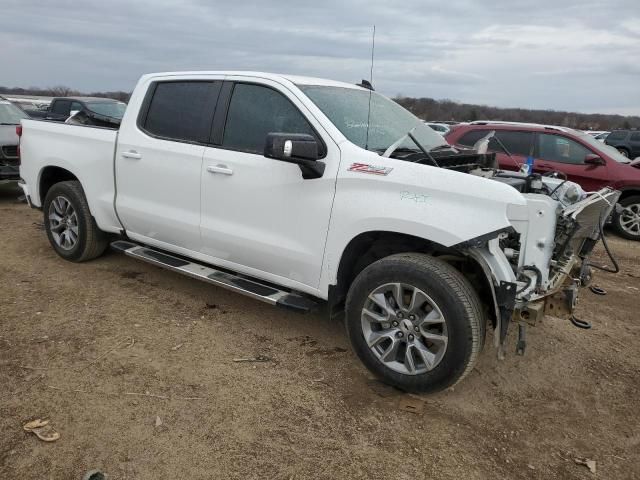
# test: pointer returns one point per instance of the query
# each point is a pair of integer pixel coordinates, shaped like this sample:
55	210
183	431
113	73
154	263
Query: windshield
10	114
602	147
348	109
109	109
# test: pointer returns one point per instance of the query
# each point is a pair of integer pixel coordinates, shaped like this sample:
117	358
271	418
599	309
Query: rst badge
366	168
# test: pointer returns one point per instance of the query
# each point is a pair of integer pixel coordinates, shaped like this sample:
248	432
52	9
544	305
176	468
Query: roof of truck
296	79
87	99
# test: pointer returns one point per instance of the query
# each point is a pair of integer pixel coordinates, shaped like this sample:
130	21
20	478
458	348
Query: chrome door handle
132	154
223	169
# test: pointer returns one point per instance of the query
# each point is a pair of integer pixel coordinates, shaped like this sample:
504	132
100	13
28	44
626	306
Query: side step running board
237	283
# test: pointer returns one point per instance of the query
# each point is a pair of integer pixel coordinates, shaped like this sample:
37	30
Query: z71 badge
366	168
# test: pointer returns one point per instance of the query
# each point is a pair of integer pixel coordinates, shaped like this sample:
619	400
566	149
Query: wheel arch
368	247
49	176
629	192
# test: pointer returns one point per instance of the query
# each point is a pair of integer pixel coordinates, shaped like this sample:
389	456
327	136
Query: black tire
456	299
619	217
90	241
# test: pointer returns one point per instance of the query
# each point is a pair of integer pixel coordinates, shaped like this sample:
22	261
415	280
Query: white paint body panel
263	220
85	151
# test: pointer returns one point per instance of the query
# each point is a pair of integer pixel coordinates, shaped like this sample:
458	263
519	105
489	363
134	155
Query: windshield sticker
416	197
366	168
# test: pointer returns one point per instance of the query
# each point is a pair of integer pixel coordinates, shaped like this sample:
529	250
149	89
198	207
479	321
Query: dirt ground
134	367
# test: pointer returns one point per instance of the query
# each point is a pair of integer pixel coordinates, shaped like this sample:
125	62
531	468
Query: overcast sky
559	54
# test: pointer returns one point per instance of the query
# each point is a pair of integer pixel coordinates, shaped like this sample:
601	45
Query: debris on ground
411	404
590	464
158	421
259	358
41	429
177	347
597	290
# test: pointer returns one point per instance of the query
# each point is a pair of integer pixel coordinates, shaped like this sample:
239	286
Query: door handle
132	154
223	169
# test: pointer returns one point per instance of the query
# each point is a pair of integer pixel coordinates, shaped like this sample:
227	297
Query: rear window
182	110
618	135
62	107
518	143
109	109
10	114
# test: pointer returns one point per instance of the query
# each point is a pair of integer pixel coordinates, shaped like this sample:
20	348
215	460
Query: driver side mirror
298	148
593	159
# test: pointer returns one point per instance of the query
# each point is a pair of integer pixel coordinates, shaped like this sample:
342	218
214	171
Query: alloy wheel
404	328
63	222
630	219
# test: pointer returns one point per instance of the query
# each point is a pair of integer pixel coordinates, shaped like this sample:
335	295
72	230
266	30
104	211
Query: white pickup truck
301	191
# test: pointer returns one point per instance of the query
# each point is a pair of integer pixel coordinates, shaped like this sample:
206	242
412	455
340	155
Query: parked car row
10	116
570	153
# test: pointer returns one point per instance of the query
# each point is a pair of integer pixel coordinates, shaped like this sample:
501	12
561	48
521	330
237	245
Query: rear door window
61	107
617	135
470	138
556	148
181	111
255	111
518	143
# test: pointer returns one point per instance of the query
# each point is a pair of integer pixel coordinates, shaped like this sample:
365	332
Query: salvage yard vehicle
95	111
627	142
299	191
571	153
10	116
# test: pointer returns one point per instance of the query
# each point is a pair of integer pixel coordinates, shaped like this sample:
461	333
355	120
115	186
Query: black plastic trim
482	239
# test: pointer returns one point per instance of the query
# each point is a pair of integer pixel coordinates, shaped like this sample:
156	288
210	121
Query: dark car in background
10	116
627	142
97	111
583	159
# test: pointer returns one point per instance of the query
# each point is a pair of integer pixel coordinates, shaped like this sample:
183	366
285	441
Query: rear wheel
627	221
71	229
415	322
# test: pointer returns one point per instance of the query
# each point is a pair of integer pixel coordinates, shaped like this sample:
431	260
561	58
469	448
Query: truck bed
86	151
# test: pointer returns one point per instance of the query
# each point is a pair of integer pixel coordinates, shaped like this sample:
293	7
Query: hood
8	135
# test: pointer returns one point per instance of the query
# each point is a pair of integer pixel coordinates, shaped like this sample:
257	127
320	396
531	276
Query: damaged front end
540	265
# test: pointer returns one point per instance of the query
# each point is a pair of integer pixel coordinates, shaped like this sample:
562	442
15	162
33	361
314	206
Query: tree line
445	110
424	108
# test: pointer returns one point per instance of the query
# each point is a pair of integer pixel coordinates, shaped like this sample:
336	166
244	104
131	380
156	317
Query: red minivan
584	160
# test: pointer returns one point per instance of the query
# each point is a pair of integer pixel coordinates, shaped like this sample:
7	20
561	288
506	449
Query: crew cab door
259	216
159	163
555	152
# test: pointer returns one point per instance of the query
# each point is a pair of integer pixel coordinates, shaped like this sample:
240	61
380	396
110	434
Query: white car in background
441	128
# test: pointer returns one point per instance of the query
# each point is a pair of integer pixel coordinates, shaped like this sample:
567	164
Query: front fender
442	206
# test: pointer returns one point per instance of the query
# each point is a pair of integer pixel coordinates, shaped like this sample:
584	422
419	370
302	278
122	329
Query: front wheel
71	229
627	221
415	322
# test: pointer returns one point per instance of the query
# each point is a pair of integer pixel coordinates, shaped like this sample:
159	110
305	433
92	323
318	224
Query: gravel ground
134	368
